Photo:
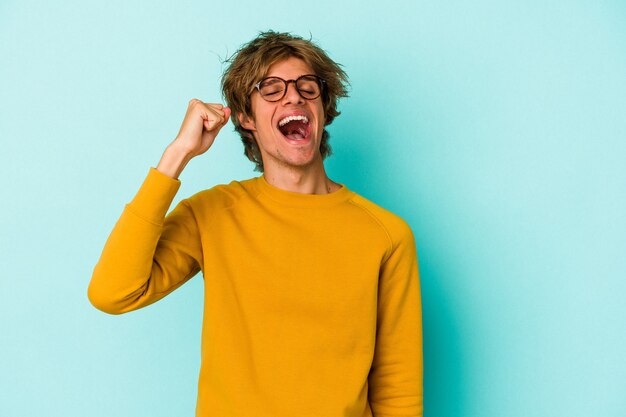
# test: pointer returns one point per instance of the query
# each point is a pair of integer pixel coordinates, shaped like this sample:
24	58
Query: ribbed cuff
155	196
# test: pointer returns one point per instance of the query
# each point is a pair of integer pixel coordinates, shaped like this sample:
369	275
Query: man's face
287	145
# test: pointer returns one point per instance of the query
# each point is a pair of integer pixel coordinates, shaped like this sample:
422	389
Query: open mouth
295	127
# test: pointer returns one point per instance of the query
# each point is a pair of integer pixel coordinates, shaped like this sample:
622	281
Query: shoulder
223	195
395	226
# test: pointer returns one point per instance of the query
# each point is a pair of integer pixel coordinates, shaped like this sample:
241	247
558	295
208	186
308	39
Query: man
312	300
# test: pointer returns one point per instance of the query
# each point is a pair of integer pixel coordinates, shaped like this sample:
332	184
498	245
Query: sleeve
396	376
147	254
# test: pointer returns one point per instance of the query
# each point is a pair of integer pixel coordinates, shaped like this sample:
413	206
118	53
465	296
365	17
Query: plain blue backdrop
496	129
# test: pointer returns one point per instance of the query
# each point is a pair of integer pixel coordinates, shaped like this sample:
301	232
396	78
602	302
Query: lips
295	126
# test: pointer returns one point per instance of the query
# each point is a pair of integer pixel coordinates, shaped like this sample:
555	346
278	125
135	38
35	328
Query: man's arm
197	133
147	254
396	376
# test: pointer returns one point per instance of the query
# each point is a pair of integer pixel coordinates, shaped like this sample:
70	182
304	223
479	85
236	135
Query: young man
312	299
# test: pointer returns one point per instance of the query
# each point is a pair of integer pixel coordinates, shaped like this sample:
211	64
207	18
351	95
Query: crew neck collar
294	199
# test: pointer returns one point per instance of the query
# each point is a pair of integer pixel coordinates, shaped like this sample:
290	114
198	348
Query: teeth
290	118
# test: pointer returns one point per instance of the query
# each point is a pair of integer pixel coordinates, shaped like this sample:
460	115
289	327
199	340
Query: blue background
496	129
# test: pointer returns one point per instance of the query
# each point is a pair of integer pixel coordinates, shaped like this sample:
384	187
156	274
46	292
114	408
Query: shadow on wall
445	382
363	162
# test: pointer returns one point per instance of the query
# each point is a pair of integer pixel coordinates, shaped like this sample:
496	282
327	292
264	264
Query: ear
246	122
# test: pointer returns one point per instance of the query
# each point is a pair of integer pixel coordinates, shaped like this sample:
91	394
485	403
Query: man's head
277	54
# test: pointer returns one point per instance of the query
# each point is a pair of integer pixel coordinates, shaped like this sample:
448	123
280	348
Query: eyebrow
301	75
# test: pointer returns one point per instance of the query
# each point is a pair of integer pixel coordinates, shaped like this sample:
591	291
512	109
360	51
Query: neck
310	180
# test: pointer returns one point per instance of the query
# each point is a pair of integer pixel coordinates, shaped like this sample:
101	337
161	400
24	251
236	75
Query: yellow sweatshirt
312	302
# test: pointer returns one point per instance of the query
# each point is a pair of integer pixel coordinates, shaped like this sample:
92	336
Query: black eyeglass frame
320	80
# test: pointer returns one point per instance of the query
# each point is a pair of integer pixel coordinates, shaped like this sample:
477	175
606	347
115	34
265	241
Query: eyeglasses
309	87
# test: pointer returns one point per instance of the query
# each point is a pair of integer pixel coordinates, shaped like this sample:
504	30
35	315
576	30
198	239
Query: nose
292	95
